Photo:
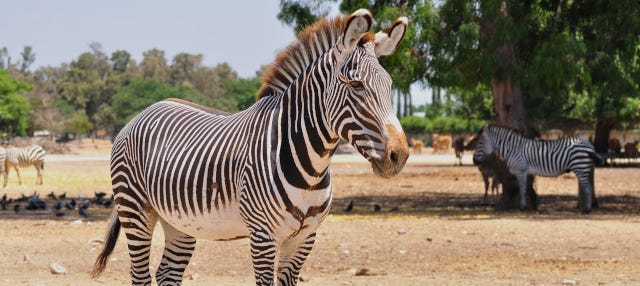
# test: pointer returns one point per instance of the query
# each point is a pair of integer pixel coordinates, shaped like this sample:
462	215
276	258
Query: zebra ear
358	24
388	39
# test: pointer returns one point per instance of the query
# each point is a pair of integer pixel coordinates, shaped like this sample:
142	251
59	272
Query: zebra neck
509	144
306	143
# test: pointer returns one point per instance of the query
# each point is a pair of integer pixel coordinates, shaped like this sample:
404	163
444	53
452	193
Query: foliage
241	93
450	124
141	93
14	107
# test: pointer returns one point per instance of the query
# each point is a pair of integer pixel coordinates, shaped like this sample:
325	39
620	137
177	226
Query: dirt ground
433	228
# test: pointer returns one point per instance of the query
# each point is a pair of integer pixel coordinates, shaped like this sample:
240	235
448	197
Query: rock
402	231
57	268
304	279
569	282
368	272
76	222
195	276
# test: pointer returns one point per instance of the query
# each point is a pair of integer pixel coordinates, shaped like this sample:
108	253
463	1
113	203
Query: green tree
14	107
241	93
141	93
28	57
154	66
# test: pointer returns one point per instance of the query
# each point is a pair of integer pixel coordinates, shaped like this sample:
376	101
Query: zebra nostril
393	156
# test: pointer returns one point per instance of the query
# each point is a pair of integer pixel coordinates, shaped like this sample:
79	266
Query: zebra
3	170
262	173
549	158
24	157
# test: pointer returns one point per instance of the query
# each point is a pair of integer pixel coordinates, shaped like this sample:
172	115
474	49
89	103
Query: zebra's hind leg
5	175
522	183
292	255
585	183
138	227
178	248
263	256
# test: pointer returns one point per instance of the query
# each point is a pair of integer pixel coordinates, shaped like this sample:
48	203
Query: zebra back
23	157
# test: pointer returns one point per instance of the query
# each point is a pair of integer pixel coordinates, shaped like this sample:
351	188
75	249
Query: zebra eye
357	85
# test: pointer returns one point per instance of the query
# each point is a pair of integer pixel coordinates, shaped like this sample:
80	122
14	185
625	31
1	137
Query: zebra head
360	96
484	146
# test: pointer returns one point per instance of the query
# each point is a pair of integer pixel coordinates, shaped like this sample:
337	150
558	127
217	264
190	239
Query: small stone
57	268
76	222
304	279
569	282
195	276
402	231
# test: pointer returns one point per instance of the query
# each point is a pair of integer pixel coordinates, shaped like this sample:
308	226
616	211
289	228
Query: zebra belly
218	225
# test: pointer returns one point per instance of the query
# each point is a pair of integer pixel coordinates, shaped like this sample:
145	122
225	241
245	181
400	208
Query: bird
99	197
59	206
349	207
85	205
83	212
63	196
377	208
60	213
72	204
16	208
107	203
52	196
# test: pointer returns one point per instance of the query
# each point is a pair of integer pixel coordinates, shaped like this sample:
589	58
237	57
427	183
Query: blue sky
245	34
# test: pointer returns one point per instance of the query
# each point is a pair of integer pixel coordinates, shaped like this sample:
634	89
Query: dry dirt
433	229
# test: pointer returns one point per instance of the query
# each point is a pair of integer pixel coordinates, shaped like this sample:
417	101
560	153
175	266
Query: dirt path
433	229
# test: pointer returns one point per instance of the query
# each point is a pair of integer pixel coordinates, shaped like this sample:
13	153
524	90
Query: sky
244	34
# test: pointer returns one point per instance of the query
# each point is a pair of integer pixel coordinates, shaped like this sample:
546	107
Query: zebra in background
24	157
262	173
3	170
549	158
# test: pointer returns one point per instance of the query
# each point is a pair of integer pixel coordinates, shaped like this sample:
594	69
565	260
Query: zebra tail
109	245
597	159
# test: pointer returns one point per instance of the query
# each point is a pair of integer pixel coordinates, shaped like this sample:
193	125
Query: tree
154	66
14	107
28	57
141	93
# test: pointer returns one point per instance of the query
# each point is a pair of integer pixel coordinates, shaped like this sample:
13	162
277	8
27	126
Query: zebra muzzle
396	154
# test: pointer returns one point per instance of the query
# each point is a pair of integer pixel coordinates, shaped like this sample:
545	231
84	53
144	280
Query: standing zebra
20	158
549	158
262	173
3	170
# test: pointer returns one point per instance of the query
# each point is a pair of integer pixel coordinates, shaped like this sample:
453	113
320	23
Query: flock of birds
59	205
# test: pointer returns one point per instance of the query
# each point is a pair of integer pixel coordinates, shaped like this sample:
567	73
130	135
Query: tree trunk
509	109
601	136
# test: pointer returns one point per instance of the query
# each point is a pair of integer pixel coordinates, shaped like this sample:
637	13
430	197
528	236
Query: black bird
60	205
83	212
72	204
349	207
377	208
60	213
107	203
16	208
3	205
23	198
86	205
63	196
52	196
99	197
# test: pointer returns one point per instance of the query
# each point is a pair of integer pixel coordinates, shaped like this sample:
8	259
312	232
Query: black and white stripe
549	158
17	158
262	173
3	169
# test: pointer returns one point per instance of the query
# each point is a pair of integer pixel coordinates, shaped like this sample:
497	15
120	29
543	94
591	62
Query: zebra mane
311	43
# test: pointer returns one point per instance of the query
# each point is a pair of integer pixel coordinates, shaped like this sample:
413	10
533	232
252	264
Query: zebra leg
39	171
485	178
138	227
293	254
178	248
263	256
18	173
585	184
5	175
522	182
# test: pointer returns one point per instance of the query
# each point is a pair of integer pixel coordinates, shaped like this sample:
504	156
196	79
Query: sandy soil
434	228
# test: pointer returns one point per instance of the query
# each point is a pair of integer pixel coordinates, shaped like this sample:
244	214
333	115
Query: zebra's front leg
5	175
18	174
39	171
263	255
292	255
178	249
522	183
